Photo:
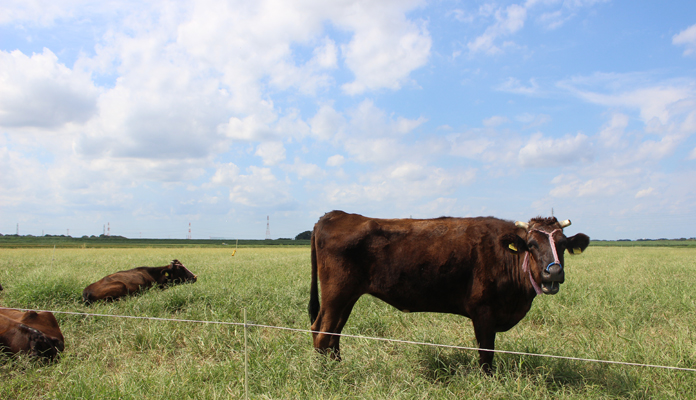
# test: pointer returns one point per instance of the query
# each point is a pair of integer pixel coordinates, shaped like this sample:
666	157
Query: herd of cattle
38	334
487	269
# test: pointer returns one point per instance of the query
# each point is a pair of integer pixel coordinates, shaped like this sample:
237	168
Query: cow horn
521	224
565	223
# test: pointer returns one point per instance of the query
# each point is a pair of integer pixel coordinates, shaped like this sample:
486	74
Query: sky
229	117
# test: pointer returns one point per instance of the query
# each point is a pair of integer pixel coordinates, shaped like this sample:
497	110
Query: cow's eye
533	245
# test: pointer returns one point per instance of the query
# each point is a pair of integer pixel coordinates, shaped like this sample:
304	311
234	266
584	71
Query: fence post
246	360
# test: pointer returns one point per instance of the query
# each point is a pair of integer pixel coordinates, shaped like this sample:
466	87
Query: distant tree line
306	235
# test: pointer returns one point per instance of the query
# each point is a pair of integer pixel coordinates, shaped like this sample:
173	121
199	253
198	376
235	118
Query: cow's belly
424	300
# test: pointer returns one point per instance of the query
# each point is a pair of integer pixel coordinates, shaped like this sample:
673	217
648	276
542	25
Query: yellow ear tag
512	247
577	251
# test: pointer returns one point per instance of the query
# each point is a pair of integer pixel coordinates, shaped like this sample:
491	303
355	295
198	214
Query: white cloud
385	48
254	127
22	179
326	55
533	120
687	38
305	170
399	185
259	188
606	185
327	123
36	11
513	85
335	161
468	146
612	132
272	153
373	137
511	19
507	21
645	192
38	91
554	19
547	152
657	100
494	121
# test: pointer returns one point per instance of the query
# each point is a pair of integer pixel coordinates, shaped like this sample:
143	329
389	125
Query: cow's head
178	273
543	244
39	344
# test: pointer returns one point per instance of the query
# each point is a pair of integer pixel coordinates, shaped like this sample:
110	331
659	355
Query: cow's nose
553	272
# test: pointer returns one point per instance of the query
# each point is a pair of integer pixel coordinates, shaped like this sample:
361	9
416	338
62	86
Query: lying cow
30	332
125	282
485	268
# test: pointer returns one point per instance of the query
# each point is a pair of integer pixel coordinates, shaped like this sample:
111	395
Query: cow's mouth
550	287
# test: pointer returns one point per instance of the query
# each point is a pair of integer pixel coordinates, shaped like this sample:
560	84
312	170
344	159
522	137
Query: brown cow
123	283
484	268
35	333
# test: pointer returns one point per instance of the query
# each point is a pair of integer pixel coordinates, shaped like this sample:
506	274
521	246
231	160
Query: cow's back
118	284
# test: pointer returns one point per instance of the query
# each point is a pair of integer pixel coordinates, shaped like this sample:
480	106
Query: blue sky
150	116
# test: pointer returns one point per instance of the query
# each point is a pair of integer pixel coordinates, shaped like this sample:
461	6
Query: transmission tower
268	227
189	235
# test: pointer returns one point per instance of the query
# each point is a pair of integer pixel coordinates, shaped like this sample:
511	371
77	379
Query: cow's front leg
485	336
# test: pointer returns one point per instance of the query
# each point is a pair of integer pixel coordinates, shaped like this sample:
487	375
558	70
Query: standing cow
484	268
122	283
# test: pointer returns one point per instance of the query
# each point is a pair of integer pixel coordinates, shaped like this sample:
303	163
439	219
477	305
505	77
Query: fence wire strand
411	342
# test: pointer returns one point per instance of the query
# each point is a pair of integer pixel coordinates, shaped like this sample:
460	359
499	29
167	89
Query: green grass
635	304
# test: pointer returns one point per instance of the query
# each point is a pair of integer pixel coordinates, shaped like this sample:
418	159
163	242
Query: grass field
635	304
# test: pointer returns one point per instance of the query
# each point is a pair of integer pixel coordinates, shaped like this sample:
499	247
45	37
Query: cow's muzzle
551	278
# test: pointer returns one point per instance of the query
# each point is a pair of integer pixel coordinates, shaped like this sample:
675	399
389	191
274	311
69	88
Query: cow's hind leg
332	317
113	291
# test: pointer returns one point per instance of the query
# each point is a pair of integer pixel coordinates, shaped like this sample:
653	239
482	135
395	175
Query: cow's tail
313	306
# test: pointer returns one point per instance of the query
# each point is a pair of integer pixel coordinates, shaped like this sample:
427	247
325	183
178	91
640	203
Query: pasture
634	304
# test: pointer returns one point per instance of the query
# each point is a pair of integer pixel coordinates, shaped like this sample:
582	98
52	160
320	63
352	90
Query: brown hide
35	333
123	283
462	266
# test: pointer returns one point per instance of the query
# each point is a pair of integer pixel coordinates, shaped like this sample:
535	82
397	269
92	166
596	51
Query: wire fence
246	325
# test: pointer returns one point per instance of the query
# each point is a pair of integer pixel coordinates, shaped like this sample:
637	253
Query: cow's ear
513	243
578	243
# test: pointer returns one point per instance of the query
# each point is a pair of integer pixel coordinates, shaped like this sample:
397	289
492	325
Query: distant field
12	241
635	304
646	243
